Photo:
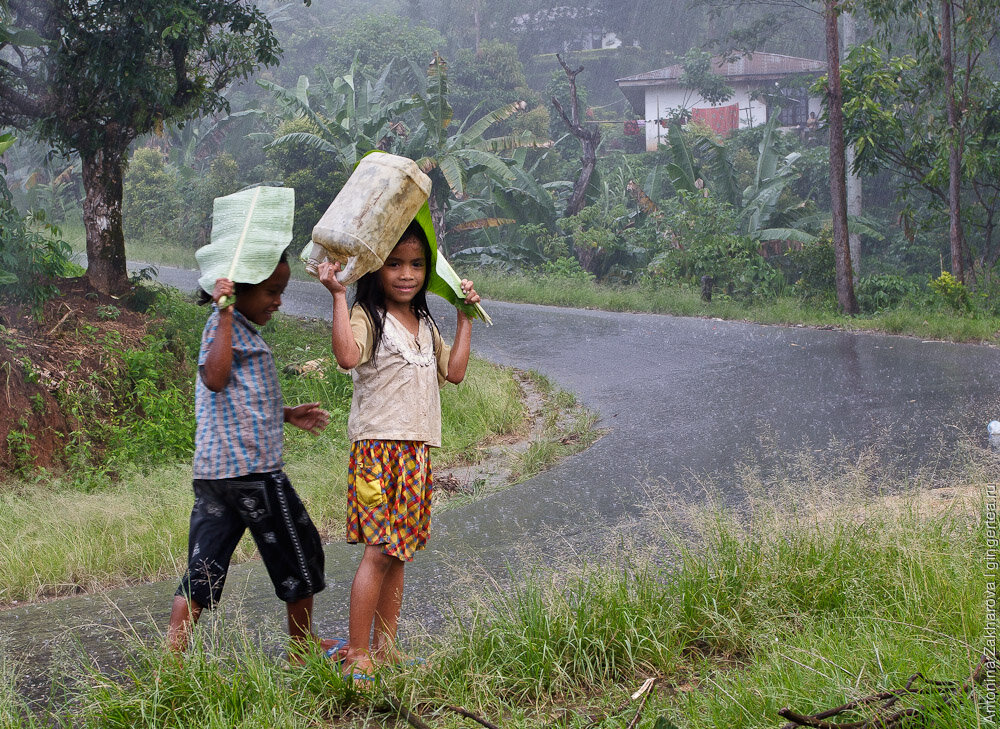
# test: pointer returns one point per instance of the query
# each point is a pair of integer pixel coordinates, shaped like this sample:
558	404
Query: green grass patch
816	589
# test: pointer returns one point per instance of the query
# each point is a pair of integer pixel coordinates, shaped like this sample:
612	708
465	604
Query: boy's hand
327	272
309	416
471	297
223	288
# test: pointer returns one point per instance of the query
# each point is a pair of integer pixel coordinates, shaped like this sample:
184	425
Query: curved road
681	398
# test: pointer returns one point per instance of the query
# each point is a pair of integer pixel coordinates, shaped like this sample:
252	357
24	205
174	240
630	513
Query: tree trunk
955	236
589	140
854	194
838	186
102	219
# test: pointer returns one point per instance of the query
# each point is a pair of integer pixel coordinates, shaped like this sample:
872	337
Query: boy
238	481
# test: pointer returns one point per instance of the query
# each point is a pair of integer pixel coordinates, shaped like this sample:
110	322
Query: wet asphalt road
680	398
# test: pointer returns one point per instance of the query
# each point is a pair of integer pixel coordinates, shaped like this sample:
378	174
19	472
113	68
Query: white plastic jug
369	214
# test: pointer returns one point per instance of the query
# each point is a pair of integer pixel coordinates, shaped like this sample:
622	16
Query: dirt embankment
50	365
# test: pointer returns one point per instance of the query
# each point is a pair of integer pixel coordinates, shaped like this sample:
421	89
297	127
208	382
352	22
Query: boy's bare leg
300	627
183	614
300	620
386	617
365	592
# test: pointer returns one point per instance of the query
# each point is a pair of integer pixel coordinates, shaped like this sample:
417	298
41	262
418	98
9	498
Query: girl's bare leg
365	592
387	613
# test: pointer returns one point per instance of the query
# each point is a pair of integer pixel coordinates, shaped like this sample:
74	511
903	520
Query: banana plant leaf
443	280
250	229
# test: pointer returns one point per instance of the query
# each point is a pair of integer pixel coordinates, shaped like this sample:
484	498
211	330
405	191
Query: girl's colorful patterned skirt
389	489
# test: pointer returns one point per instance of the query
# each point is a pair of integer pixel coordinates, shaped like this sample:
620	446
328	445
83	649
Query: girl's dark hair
369	295
206	298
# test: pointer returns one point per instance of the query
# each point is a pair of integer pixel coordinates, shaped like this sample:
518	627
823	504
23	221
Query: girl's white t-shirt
399	397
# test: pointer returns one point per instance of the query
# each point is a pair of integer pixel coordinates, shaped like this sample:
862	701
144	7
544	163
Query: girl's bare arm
345	349
458	362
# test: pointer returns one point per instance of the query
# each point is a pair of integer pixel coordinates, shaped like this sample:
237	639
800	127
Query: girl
238	479
398	361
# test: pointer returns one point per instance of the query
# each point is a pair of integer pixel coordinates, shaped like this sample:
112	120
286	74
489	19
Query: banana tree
353	115
758	204
453	161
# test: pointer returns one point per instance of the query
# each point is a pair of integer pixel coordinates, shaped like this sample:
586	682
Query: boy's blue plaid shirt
240	429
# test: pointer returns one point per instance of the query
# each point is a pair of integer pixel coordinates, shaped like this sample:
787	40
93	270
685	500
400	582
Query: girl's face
403	273
259	302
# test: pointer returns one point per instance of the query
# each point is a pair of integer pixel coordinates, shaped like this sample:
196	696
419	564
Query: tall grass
813	589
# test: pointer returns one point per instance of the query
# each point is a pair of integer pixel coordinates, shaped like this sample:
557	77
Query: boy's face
259	302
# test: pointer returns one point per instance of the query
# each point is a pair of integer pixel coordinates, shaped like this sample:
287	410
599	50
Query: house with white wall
657	96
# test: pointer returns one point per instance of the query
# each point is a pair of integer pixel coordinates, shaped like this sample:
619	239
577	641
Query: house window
794	107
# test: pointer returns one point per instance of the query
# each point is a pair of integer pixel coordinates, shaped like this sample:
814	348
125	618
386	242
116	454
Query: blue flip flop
362	682
332	651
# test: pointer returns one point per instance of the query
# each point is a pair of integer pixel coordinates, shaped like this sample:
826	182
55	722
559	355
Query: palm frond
489	161
306	140
480	224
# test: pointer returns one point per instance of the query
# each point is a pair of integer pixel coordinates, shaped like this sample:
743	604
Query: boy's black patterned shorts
267	505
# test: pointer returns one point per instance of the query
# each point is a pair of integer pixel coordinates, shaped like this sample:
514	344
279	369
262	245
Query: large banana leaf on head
250	230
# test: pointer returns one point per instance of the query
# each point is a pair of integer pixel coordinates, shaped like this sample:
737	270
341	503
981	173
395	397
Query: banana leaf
250	229
443	280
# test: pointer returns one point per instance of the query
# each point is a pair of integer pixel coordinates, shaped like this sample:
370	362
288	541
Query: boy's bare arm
345	349
219	361
458	361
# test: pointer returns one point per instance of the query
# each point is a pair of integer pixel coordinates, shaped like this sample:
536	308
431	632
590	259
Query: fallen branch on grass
469	715
645	691
887	715
398	708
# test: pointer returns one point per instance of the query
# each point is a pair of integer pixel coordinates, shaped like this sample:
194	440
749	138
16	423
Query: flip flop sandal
362	682
333	650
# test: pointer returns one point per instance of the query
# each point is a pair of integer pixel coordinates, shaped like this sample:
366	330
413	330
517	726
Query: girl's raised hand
471	297
327	272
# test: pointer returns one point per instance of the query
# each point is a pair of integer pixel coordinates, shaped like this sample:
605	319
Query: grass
686	301
817	588
567	428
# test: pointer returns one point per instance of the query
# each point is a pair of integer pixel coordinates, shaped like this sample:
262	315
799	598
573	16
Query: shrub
151	205
882	291
31	253
606	243
704	231
813	269
952	292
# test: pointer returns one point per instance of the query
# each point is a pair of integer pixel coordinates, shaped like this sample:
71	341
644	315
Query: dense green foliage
92	78
31	251
152	202
499	196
